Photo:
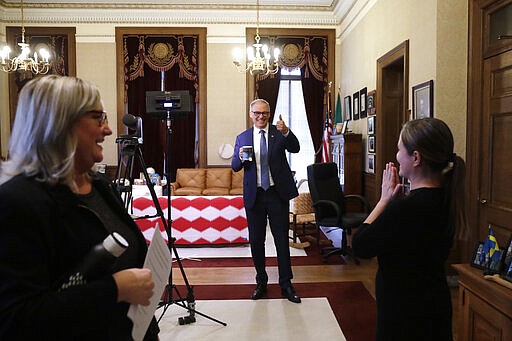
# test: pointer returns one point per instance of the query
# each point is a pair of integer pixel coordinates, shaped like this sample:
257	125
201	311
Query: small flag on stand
338	118
491	253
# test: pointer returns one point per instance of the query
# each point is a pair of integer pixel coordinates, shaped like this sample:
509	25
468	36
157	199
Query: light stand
129	150
169	103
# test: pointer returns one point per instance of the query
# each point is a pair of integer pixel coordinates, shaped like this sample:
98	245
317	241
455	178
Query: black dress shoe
259	292
290	294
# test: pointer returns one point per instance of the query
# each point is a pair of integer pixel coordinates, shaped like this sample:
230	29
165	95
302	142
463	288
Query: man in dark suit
268	188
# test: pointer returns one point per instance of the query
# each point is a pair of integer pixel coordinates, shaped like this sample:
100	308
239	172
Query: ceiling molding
188	17
278	5
340	14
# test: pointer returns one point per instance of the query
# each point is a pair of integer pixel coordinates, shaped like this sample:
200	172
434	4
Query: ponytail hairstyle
43	141
433	139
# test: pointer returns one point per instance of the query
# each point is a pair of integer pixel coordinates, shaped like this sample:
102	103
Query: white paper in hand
158	260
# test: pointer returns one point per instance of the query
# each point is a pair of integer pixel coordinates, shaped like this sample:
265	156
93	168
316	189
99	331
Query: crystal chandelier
259	61
38	64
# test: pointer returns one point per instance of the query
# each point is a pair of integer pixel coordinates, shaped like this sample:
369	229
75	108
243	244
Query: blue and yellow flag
491	250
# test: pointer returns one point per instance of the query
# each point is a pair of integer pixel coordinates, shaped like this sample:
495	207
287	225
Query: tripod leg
167	225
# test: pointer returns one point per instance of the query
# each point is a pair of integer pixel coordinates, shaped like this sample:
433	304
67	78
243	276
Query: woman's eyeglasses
100	116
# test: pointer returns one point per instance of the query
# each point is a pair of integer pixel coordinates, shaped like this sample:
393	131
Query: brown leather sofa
207	181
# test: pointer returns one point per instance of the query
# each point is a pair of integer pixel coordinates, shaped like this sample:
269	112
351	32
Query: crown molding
149	17
341	14
174	5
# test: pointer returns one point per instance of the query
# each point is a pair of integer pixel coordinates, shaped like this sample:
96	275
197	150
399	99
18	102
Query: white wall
437	50
436	30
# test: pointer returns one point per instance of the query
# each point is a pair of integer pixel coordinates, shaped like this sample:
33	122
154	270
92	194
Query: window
290	105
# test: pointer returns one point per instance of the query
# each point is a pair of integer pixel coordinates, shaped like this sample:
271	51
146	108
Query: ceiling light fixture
38	64
259	61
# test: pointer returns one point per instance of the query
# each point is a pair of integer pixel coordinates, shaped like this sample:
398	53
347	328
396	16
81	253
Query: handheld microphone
98	261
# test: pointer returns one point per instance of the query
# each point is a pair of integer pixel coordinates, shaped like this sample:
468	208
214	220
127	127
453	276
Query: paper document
158	260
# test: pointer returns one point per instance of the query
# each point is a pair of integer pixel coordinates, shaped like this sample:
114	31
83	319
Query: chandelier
259	61
38	64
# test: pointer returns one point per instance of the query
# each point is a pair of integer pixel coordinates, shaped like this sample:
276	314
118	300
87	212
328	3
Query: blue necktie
265	175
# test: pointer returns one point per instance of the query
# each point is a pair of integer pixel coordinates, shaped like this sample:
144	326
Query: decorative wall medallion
160	53
292	55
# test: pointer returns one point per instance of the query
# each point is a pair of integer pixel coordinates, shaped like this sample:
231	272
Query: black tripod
129	150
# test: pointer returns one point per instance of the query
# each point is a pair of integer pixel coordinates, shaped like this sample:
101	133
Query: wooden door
392	102
495	184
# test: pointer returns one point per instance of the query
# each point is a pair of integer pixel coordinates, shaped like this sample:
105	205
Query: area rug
240	256
353	306
268	319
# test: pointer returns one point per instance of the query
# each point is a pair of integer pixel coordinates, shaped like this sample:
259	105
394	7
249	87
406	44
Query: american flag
325	141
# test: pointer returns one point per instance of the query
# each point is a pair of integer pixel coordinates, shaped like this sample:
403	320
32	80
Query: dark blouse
411	241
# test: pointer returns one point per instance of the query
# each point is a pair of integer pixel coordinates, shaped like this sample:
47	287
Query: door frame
398	54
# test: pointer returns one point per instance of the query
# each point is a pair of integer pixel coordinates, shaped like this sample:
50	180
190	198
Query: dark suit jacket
277	161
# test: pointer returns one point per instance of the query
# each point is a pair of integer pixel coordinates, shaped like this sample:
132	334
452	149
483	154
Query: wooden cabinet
347	154
485	307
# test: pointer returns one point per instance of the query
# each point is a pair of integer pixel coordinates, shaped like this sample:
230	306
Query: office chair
302	215
329	202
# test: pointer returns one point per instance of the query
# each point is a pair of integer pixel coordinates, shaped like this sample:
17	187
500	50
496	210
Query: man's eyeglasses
100	116
261	113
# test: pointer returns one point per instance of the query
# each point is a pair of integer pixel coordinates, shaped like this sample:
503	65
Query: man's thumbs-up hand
281	126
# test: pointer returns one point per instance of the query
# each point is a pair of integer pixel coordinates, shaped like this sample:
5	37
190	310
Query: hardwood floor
365	272
302	274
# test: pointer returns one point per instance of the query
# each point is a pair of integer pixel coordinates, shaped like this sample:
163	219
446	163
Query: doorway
392	104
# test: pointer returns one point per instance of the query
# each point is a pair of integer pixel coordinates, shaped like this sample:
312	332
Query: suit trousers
270	205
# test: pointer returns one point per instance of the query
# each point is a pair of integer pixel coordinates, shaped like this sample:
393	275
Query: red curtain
310	55
163	63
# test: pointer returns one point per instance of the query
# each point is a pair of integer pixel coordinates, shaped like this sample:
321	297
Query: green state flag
338	118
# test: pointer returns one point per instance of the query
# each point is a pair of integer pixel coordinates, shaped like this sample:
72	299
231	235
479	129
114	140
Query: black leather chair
329	202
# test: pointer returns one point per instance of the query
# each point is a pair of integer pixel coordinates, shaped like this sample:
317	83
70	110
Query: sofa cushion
218	181
188	191
191	177
216	191
190	181
218	178
237	183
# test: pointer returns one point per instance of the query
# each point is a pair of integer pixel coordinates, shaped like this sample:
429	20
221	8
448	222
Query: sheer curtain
290	105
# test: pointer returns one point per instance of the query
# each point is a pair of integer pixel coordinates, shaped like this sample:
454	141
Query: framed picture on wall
347	108
362	102
370	103
371	144
423	100
355	105
371	163
371	125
